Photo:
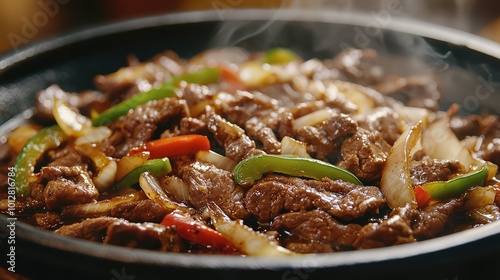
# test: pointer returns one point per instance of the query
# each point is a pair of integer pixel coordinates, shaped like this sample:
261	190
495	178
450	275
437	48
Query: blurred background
27	21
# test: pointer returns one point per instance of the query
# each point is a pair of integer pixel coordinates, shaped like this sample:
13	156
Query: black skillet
467	66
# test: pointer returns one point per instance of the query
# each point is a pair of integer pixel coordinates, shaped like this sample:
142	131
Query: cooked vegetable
21	135
253	168
279	56
151	187
216	159
203	76
155	167
396	184
46	139
248	241
175	146
197	233
70	120
457	185
129	163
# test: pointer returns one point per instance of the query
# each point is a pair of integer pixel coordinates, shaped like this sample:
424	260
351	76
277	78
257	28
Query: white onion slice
216	159
291	146
248	241
151	187
396	183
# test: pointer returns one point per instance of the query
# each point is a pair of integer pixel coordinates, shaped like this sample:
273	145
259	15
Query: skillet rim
138	256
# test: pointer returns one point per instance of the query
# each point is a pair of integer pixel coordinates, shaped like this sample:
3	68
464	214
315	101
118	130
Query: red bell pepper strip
174	146
422	196
196	232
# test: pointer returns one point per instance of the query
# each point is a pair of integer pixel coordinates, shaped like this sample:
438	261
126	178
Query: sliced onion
216	159
290	146
479	197
96	135
486	214
256	74
130	162
151	187
409	116
248	241
69	120
356	94
313	118
396	183
174	186
100	208
106	177
439	142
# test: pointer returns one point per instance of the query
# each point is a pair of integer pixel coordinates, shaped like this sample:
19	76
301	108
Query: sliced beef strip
434	218
249	105
140	124
151	236
325	139
315	226
364	154
421	91
47	220
140	211
93	229
356	65
394	230
257	130
208	183
237	145
66	156
384	120
67	185
276	194
429	169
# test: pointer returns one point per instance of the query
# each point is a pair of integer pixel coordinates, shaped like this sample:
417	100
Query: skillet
467	67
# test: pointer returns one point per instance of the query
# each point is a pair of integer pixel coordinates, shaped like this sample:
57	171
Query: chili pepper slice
196	232
253	168
174	146
46	139
156	167
445	189
202	76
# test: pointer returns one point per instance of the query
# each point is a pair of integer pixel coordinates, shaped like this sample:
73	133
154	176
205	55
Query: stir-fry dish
254	154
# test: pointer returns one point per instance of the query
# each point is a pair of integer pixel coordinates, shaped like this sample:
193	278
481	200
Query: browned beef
150	236
314	226
209	183
383	120
275	194
491	151
67	185
435	217
139	125
285	94
195	93
189	125
285	127
258	131
357	65
90	229
364	154
417	91
433	170
237	145
67	156
248	105
324	140
140	211
47	220
394	230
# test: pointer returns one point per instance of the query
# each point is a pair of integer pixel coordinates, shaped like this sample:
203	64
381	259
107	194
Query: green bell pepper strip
156	167
445	189
249	170
279	56
46	139
202	76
